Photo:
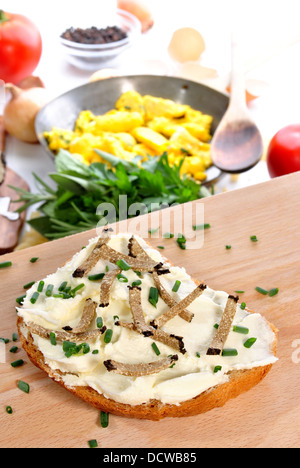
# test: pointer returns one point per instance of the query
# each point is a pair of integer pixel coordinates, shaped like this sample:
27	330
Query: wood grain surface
266	416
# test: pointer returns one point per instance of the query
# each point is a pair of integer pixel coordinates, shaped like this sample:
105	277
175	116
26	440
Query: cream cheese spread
193	373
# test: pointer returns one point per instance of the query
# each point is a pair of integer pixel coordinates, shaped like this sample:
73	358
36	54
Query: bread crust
239	382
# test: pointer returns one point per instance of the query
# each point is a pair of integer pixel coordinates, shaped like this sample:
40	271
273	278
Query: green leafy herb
70	207
123	265
34	259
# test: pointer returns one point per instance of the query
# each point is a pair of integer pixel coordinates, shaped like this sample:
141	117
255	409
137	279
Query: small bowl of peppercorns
90	48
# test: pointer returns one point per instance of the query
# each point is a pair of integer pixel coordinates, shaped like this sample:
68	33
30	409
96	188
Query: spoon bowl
237	144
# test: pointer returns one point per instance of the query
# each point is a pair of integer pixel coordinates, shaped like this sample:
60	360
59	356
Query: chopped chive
49	290
23	386
93	443
85	348
17	363
108	335
99	322
243	305
95	351
171	367
53	338
123	265
136	283
13	349
239	292
155	349
217	369
253	239
59	296
138	273
20	300
216	326
161	247
273	292
9	410
34	259
250	342
96	277
153	230
41	286
168	235
198	354
261	290
228	247
198	227
74	291
122	278
181	241
116	317
15	336
104	418
176	286
5	264
153	296
242	330
63	286
34	297
4	340
107	268
230	352
28	285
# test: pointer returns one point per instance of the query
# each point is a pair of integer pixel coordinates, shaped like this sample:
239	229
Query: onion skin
20	112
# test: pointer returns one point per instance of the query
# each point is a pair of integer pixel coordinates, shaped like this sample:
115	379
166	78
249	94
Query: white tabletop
269	35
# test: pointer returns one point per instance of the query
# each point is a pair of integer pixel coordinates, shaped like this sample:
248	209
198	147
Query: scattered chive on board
9	410
34	259
93	443
28	285
104	419
17	363
198	227
23	386
261	290
5	264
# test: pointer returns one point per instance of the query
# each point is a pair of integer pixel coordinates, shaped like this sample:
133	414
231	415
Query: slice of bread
237	378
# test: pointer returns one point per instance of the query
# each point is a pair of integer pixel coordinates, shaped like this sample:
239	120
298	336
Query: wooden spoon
237	143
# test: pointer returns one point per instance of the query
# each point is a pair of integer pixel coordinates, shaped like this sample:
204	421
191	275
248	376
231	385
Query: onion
20	112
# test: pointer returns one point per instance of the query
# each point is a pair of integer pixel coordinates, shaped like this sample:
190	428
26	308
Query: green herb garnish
28	285
41	286
23	386
217	369
13	349
34	297
9	410
176	286
93	443
5	264
228	247
17	363
99	322
153	296
20	300
104	418
108	336
155	349
168	235
198	227
122	278
273	292
261	290
181	241
75	290
136	283
70	207
253	239
96	277
243	305
230	352
250	342
34	259
242	330
53	338
123	265
63	286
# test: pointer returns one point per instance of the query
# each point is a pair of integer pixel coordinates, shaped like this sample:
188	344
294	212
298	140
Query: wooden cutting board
266	416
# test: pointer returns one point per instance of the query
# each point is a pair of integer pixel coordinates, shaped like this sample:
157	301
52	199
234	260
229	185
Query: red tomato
20	47
283	155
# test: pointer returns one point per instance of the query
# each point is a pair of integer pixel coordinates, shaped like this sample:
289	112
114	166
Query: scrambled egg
141	126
